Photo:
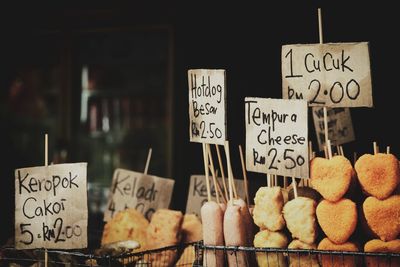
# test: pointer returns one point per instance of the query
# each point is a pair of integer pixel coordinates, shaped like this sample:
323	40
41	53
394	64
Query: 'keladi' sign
51	207
145	193
332	75
276	136
207	94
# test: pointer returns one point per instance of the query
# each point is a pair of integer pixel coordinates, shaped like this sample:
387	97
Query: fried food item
378	174
248	220
377	245
302	260
191	229
267	213
331	177
299	214
128	224
338	261
338	220
268	239
213	233
383	216
235	235
164	230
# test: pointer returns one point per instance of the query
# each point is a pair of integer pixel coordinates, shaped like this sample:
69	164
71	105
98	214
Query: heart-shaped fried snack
338	219
338	261
331	177
383	216
379	174
377	245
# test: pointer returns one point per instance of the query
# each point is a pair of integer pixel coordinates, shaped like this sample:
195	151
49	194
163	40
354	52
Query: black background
243	37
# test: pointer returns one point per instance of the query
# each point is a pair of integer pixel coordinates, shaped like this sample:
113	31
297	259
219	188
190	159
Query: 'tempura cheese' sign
276	136
51	207
207	106
332	75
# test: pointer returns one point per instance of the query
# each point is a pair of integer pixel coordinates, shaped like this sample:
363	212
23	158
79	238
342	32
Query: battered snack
378	174
247	219
267	213
235	235
299	215
128	224
331	177
302	260
268	239
338	261
383	216
338	220
213	233
191	232
164	230
191	229
377	245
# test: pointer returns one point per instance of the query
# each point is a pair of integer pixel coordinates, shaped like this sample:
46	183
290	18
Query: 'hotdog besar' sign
145	193
340	126
277	136
51	207
332	75
207	106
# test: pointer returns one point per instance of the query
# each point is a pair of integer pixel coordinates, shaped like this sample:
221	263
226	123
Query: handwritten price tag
207	106
332	75
276	136
51	207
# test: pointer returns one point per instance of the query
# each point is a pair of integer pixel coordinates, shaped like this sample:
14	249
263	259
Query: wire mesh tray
180	255
274	257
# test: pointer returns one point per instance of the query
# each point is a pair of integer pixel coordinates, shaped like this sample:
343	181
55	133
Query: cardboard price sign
51	207
277	136
197	195
340	126
145	193
332	75
207	106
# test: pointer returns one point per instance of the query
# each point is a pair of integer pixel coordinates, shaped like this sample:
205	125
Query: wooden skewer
213	172
146	168
329	149
376	148
230	178
338	150
218	190
294	187
46	162
205	159
268	181
341	150
326	151
221	166
246	189
388	150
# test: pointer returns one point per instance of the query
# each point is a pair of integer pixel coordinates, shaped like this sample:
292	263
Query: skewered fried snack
378	174
235	235
383	216
213	233
268	239
129	224
338	220
339	260
299	214
191	232
377	245
164	230
302	260
331	177
267	212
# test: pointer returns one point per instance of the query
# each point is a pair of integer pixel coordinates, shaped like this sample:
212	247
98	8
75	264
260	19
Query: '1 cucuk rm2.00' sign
332	75
207	106
276	136
51	207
